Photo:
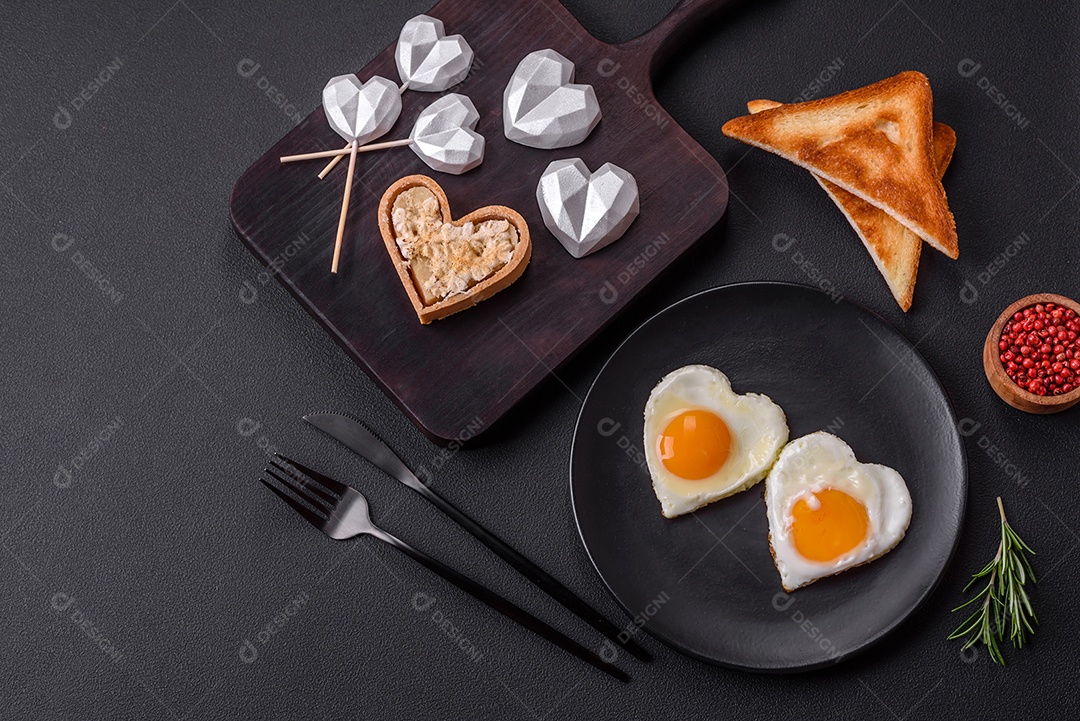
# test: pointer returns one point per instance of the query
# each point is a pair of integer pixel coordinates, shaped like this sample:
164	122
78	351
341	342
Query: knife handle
539	577
506	608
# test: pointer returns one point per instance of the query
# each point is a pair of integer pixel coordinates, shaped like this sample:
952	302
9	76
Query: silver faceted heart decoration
586	212
444	138
427	59
359	111
543	108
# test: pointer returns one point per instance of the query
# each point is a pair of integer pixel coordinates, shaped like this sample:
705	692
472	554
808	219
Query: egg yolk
838	524
695	444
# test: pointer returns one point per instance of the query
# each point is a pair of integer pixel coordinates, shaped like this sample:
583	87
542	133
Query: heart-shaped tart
449	265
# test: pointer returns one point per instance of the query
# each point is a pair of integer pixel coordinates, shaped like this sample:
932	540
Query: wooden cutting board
459	375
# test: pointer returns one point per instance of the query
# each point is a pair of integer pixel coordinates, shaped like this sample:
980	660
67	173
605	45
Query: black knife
354	436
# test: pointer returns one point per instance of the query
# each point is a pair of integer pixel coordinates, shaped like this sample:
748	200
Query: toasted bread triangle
874	142
894	249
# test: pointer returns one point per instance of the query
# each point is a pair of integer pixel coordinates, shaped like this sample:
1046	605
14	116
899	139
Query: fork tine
300	508
293	485
329	483
306	483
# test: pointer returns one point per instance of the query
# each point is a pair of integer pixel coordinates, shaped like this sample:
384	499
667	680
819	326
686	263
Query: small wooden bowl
1005	386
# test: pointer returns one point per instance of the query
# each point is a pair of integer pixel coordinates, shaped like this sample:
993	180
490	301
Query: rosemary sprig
1004	600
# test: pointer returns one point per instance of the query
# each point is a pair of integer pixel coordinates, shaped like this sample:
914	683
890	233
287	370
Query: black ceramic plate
704	583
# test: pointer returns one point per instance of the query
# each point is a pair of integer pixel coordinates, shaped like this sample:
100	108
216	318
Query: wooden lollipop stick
403	88
346	150
330	166
344	208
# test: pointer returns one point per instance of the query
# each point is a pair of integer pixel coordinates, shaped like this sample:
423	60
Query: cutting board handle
657	44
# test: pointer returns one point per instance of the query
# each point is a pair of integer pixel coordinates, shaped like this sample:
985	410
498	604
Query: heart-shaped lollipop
543	108
358	112
586	212
444	138
361	112
427	59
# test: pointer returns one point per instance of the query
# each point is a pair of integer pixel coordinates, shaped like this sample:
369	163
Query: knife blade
357	438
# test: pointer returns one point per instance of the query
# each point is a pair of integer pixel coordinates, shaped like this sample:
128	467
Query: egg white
817	462
758	430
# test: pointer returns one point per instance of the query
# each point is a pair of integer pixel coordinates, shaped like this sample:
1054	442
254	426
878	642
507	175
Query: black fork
341	512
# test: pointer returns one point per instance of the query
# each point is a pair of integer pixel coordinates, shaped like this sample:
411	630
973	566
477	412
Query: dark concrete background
136	567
